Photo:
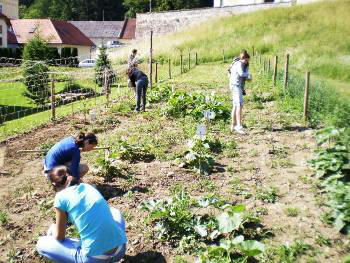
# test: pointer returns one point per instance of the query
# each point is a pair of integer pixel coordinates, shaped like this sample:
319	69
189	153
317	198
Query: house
4	25
57	33
9	8
100	32
224	3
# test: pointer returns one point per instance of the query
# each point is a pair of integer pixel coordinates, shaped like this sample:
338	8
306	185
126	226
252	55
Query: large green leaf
251	248
228	223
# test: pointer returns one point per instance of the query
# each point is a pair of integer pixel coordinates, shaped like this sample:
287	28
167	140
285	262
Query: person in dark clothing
139	80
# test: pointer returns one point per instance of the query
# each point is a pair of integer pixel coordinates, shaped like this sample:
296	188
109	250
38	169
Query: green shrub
35	75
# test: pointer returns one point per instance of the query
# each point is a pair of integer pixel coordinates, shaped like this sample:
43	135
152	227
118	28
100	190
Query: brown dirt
267	156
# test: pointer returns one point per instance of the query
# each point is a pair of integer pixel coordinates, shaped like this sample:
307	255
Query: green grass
317	37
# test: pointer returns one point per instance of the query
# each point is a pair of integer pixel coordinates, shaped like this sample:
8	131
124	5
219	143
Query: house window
0	41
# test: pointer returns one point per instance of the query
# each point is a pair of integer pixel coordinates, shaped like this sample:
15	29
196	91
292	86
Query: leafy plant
159	93
110	168
180	220
181	104
198	156
269	195
332	167
122	149
228	250
4	219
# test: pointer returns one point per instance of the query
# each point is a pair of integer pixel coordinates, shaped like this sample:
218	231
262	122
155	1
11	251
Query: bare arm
61	223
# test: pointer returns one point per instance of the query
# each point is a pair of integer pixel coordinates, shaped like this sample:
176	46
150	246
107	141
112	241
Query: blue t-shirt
91	215
62	152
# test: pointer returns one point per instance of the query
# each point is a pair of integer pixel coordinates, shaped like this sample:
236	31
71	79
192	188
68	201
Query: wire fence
49	90
315	100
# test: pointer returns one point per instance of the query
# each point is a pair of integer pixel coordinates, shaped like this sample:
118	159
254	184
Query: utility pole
150	6
103	15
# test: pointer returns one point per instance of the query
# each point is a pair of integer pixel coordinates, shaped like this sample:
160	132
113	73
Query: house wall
98	41
168	22
3	35
10	8
84	52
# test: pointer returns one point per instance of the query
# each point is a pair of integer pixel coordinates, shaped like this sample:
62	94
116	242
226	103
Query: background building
9	8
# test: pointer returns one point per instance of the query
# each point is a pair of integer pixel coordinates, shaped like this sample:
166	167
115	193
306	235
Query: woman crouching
101	228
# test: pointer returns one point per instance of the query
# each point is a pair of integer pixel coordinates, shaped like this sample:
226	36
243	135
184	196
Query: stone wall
168	22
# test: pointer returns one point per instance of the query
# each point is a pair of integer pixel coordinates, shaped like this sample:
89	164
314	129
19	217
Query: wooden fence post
106	86
196	58
189	61
156	75
286	72
223	56
181	63
53	98
169	68
151	61
275	71
306	95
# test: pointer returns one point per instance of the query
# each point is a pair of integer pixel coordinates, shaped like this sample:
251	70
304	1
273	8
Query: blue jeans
69	250
141	89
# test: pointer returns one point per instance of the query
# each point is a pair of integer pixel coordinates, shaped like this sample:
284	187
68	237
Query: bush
103	64
35	75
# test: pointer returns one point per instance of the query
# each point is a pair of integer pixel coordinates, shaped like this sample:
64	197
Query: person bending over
101	228
238	74
67	152
139	80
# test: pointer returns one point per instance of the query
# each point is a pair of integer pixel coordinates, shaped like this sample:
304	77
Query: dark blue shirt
63	152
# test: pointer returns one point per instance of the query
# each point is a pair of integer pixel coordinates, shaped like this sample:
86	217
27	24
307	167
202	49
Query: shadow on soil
111	191
146	257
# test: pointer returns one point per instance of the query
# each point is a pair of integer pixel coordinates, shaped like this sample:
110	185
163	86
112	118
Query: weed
292	212
4	219
269	195
323	241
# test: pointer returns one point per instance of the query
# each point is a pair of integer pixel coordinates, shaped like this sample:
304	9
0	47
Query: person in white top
238	75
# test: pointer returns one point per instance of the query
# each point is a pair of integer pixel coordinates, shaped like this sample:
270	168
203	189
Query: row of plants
332	166
190	225
181	104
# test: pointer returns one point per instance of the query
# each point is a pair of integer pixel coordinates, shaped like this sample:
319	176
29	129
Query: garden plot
261	181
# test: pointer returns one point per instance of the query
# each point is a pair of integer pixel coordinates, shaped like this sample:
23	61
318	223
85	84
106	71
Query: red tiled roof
11	38
129	29
70	34
53	31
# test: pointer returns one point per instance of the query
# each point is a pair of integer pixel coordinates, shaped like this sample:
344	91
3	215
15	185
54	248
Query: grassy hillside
317	36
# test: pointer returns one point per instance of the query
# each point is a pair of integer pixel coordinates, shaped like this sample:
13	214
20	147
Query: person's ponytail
82	137
79	139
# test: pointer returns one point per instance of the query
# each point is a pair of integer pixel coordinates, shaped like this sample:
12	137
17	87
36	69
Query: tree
35	70
103	68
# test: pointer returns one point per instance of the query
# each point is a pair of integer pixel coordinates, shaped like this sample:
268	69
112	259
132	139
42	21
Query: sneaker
136	110
232	128
239	129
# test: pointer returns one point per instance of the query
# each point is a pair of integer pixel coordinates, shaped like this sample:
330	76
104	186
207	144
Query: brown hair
134	51
58	177
82	137
244	54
